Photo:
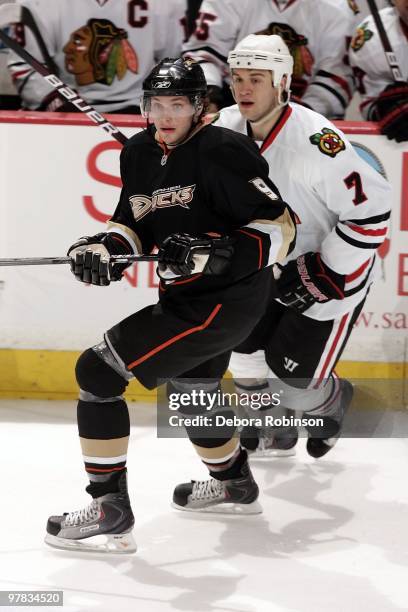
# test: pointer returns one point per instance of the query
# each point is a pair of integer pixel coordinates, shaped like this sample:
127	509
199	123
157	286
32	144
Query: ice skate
236	496
317	446
265	442
104	526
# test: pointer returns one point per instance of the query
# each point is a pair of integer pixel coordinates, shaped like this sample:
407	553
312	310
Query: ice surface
332	538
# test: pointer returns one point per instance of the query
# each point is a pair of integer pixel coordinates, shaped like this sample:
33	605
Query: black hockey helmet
175	77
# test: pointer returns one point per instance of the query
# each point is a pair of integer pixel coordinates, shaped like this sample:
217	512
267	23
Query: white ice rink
333	536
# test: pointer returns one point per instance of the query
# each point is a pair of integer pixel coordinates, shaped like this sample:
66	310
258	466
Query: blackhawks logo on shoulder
328	142
360	37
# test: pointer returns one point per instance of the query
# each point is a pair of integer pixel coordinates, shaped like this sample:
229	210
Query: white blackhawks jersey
103	48
317	33
342	204
368	59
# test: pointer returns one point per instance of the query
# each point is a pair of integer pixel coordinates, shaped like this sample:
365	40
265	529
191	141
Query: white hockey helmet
264	52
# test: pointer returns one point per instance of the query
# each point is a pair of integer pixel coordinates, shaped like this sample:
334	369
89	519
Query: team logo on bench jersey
360	37
99	52
298	44
328	142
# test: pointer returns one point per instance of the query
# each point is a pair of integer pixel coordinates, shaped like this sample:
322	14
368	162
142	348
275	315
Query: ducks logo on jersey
328	142
98	52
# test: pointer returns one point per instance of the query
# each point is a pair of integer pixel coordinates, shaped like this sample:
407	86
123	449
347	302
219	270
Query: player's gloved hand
90	261
183	255
53	103
307	280
391	110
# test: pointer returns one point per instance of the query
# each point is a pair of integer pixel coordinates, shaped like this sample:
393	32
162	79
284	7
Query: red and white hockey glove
391	111
183	255
306	281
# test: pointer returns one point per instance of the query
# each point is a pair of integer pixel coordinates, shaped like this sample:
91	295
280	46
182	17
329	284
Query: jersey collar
286	113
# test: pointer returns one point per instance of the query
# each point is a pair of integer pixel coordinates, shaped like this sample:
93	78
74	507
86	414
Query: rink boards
59	179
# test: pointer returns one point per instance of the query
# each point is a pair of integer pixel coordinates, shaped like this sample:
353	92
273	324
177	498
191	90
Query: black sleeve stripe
358	243
332	91
21	86
363	283
222	58
14	64
369	220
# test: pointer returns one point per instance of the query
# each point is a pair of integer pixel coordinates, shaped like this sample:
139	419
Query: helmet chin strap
274	112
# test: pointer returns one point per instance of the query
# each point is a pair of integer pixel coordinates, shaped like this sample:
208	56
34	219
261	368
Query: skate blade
225	508
272	452
118	544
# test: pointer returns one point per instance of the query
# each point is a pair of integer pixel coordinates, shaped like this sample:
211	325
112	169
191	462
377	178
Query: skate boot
103	526
235	496
265	442
322	439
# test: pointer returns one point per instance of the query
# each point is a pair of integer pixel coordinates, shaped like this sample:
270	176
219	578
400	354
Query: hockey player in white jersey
317	34
103	48
343	207
383	99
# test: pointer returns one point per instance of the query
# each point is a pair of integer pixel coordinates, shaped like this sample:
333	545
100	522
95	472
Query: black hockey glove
90	260
391	110
307	280
183	255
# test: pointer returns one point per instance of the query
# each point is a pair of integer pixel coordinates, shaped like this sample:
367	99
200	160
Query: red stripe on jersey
174	339
367	232
259	244
17	75
332	349
122	241
187	280
358	272
276	129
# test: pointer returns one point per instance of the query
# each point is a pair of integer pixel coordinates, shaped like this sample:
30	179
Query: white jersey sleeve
357	194
103	50
368	60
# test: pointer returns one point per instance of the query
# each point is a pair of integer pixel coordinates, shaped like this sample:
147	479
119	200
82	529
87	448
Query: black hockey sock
234	471
110	485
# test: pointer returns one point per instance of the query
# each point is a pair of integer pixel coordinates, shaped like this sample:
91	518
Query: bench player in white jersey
317	34
343	207
383	99
103	48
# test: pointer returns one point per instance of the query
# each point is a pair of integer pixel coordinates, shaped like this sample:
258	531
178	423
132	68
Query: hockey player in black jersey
202	195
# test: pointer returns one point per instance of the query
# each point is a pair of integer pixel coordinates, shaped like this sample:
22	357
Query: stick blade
10	13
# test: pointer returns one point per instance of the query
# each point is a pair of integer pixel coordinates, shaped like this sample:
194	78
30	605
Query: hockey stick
16	13
46	261
52	79
388	50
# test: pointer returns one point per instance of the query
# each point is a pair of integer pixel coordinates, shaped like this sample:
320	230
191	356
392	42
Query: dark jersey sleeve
123	225
239	188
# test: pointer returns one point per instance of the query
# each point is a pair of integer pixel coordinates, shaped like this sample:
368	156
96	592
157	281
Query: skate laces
85	515
206	489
